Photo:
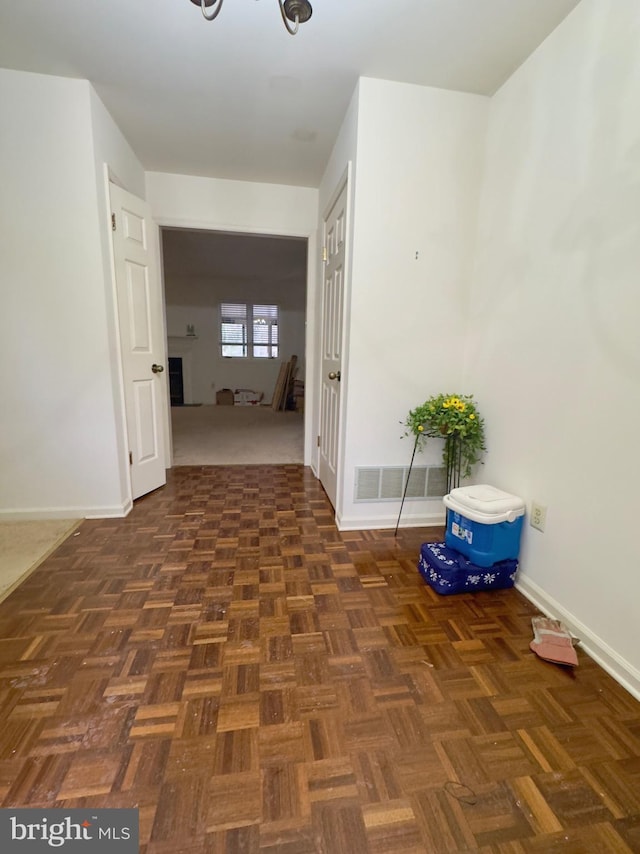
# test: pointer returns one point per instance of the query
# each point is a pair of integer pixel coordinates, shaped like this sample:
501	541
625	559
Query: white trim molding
41	513
617	667
374	523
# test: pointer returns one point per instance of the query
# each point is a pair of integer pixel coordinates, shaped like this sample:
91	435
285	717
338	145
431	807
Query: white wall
242	206
554	349
59	439
419	160
210	371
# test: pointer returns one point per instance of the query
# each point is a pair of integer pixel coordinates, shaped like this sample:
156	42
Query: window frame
244	315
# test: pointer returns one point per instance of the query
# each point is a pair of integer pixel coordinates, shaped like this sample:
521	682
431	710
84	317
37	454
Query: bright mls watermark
33	831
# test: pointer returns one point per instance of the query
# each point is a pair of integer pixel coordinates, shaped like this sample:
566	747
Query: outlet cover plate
538	517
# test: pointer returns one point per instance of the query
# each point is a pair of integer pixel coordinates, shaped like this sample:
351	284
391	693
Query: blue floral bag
447	571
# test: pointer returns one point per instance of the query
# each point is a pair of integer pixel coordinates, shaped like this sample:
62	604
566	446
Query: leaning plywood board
280	386
288	389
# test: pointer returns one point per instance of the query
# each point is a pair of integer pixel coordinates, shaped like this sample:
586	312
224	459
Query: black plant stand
453	456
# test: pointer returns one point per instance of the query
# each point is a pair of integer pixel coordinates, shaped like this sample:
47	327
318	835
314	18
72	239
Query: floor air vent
387	483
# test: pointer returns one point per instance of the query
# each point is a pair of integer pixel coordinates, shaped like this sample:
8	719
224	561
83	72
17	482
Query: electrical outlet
538	516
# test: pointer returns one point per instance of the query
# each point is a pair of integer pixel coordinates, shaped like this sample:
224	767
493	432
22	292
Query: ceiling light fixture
294	12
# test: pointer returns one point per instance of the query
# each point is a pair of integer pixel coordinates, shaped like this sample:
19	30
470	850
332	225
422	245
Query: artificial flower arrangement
455	418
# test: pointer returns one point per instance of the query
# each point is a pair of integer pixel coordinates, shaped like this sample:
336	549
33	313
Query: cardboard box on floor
224	397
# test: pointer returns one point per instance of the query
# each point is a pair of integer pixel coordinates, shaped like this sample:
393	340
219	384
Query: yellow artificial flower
445	416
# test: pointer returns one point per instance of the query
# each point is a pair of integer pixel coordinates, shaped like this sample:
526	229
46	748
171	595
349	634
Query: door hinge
325	256
113	222
130	458
318	441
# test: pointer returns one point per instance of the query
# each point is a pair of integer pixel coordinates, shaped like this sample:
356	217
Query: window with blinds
265	331
247	329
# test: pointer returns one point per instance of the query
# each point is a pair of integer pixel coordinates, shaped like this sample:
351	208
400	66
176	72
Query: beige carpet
236	435
24	545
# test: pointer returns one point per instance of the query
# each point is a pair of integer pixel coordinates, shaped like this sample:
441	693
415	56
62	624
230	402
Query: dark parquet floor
255	681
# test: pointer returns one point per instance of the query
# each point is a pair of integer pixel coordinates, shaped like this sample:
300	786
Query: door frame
345	183
311	344
145	390
110	177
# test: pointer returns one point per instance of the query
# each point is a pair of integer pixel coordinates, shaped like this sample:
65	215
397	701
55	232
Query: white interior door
332	319
135	249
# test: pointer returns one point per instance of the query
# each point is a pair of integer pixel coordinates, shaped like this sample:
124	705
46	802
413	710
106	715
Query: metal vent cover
387	483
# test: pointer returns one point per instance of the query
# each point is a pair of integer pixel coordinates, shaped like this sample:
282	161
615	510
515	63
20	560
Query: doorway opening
203	271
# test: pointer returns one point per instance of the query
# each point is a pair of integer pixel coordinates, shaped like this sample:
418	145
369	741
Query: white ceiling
240	98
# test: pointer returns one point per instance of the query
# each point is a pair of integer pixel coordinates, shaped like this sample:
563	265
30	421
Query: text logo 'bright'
32	831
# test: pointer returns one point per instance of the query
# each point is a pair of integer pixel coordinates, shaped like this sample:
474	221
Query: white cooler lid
485	504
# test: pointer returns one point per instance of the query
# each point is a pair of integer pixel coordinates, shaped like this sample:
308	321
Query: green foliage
453	417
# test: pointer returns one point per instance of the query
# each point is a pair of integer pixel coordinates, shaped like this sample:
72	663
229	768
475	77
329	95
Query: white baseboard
619	668
115	512
109	512
375	523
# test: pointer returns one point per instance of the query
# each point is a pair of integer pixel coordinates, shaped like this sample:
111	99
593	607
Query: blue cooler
447	571
484	523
